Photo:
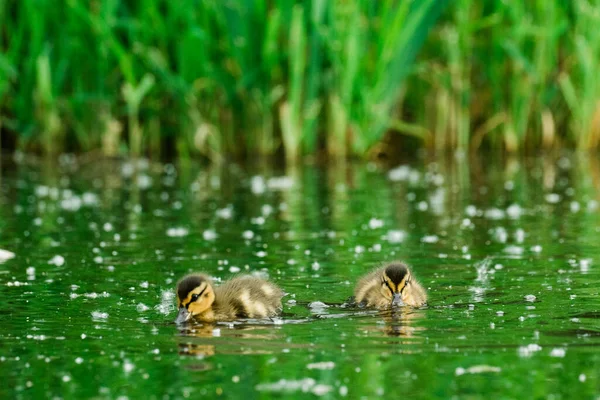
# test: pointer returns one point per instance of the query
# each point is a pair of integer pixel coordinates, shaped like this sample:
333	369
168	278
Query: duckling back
247	297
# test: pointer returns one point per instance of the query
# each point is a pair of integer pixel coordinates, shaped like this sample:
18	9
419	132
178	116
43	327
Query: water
508	251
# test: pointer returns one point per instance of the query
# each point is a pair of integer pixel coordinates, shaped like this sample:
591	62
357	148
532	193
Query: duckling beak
397	300
183	315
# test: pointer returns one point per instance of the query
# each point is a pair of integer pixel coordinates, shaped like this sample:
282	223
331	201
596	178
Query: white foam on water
514	250
128	366
558	352
514	211
584	265
57	260
375	223
323	365
430	239
494	214
225	213
257	184
42	191
141	307
395	236
400	173
144	181
574	206
500	234
317	306
99	316
552	198
177	232
6	255
89	199
519	235
529	350
72	203
477	369
280	183
209	234
530	298
266	210
166	302
471	211
306	385
536	249
16	283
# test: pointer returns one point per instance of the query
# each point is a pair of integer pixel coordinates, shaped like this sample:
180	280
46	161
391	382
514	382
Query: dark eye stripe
389	287
405	285
196	296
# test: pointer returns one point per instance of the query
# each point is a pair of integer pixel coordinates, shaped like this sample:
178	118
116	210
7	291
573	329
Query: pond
508	251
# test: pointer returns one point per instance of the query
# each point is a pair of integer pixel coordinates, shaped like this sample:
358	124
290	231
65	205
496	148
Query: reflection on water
266	337
404	322
205	339
507	249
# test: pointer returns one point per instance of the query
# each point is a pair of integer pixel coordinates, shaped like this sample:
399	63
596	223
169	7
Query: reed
502	75
244	78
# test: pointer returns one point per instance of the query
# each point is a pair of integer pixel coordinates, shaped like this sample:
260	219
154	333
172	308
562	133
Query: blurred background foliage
244	78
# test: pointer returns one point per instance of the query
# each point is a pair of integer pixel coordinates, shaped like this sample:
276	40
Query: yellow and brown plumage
390	285
241	297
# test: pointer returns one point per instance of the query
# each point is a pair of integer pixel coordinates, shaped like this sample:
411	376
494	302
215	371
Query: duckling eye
385	283
195	297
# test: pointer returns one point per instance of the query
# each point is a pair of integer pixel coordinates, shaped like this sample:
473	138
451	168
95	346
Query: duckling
241	297
390	285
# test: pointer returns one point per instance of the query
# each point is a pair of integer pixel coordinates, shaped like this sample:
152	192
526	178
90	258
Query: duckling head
195	295
395	279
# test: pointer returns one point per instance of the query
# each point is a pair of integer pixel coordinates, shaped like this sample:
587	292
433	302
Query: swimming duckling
241	297
388	286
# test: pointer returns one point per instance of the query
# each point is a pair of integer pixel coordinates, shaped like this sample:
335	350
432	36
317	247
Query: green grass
243	78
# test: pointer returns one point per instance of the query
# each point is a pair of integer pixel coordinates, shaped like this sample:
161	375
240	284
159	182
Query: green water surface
509	252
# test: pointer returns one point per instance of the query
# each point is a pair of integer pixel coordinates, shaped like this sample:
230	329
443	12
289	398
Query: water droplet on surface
558	352
209	234
57	260
177	232
375	223
141	307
